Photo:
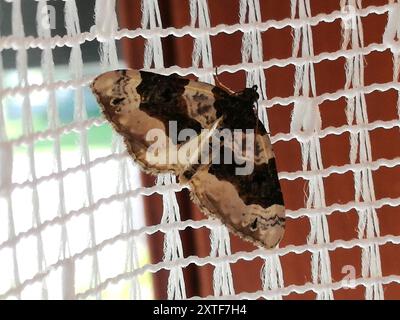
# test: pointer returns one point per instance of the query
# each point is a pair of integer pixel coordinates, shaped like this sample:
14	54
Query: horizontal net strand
15	42
303	174
301	289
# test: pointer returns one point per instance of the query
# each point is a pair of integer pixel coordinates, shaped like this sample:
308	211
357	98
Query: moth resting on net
209	136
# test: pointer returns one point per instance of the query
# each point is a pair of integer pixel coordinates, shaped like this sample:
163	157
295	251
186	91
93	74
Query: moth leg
220	84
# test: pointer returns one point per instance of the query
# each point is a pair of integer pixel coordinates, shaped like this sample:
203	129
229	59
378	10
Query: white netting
59	230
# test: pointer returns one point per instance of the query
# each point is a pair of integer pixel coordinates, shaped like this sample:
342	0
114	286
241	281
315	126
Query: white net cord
22	68
172	242
360	144
252	45
6	160
43	27
219	236
306	117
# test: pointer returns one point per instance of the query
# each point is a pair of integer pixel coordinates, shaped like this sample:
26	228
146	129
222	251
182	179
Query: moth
233	178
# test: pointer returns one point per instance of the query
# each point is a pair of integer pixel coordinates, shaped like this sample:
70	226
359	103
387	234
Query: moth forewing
167	123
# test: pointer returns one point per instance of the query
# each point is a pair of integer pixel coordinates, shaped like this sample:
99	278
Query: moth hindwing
209	137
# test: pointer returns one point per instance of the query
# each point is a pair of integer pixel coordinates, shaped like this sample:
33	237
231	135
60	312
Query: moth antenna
219	84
